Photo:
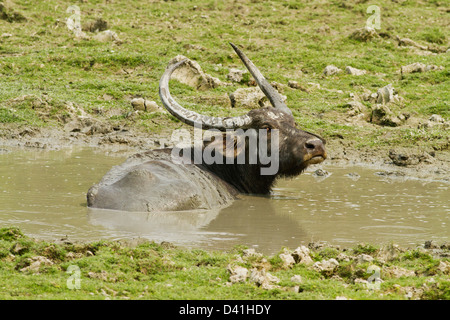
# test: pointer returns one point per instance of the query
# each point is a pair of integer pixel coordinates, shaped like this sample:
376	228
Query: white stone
354	71
331	70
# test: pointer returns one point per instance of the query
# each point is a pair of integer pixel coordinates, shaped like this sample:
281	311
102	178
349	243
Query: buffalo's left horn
193	118
270	92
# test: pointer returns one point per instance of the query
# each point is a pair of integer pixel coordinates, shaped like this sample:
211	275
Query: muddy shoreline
412	162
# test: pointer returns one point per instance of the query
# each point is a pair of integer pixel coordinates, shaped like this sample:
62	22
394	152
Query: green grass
147	270
41	57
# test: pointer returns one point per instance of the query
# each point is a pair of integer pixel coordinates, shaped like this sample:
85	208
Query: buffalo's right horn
193	118
270	92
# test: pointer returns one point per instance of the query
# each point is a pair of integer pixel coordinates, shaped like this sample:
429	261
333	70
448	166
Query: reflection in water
251	221
44	193
179	227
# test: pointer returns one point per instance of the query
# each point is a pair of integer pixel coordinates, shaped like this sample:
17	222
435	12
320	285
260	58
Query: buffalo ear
227	144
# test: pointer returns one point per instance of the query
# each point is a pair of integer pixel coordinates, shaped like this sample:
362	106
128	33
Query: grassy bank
44	66
31	269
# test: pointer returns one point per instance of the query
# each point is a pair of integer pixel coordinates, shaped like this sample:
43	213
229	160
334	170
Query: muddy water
44	193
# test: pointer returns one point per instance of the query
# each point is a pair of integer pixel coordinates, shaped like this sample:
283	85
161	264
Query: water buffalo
184	179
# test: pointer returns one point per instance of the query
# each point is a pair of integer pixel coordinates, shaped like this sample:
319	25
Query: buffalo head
296	148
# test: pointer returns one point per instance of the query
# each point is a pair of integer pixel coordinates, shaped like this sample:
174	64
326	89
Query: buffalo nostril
315	151
314	145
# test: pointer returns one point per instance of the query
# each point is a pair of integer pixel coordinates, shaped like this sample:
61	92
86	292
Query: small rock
257	276
389	253
302	255
107	97
10	16
321	174
36	262
342	298
331	70
98	275
107	36
415	67
405	159
382	115
296	278
75	111
236	75
95	26
272	278
356	108
397	272
190	46
363	258
238	273
314	85
138	104
401	159
373	96
365	34
324	29
394	174
295	289
361	281
343	257
409	42
295	85
239	259
431	244
191	74
409	292
432	67
419	67
151	106
354	71
263	279
251	98
251	253
436	118
18	248
327	266
434	121
385	94
444	267
278	86
288	260
353	175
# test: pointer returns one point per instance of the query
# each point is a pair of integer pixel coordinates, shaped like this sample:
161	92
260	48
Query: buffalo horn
193	118
272	94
